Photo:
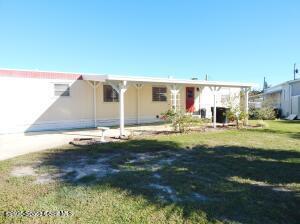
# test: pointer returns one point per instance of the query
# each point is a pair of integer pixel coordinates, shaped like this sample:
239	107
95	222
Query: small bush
267	113
181	122
264	113
253	113
237	115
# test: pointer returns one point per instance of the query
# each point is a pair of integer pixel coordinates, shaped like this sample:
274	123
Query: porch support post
215	89
246	104
215	114
121	88
138	88
95	105
199	99
94	85
174	92
121	109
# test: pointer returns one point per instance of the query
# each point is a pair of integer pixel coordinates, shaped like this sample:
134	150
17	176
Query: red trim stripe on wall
39	74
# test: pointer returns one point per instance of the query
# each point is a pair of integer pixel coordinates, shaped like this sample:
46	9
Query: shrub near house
181	122
235	113
266	112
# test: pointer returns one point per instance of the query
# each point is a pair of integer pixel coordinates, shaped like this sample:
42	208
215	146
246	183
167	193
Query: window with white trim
61	89
159	93
109	94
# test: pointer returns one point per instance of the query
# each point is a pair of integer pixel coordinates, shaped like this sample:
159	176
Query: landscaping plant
180	121
266	112
234	112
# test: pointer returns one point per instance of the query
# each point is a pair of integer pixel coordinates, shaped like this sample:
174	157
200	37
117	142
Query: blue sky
230	40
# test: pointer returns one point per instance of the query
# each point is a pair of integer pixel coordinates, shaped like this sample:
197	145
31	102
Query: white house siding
296	105
290	99
285	103
108	112
287	99
29	104
295	89
207	98
295	101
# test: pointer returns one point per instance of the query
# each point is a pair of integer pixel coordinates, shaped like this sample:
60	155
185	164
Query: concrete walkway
12	145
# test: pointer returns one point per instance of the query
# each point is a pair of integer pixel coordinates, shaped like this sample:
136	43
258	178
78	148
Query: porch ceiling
141	79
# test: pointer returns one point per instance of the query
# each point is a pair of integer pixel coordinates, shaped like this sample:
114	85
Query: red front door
190	99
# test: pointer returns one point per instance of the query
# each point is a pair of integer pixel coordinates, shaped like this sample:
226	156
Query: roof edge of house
27	73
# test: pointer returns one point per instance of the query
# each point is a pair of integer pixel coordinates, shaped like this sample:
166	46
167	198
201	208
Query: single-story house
284	96
39	100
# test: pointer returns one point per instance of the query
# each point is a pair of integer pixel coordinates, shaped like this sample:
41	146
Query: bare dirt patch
22	171
73	170
46	178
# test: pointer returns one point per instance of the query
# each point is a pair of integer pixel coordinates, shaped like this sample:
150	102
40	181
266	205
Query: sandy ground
83	168
12	145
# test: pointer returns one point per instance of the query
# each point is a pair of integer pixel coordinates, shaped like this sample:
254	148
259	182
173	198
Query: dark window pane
159	94
109	94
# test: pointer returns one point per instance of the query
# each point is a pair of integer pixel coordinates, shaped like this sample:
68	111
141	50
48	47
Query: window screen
159	94
61	90
109	94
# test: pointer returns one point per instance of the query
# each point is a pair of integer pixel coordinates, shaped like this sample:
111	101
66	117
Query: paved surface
12	145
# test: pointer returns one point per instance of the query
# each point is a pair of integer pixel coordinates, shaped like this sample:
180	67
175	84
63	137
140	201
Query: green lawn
230	176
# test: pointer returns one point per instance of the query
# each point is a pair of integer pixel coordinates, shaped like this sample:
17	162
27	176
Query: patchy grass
247	176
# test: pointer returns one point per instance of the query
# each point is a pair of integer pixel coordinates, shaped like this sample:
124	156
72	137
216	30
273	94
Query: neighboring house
285	96
38	101
255	101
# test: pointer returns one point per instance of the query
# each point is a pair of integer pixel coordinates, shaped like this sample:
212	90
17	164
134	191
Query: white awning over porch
144	79
121	83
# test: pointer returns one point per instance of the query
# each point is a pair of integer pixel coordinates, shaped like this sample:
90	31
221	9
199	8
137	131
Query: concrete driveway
12	145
